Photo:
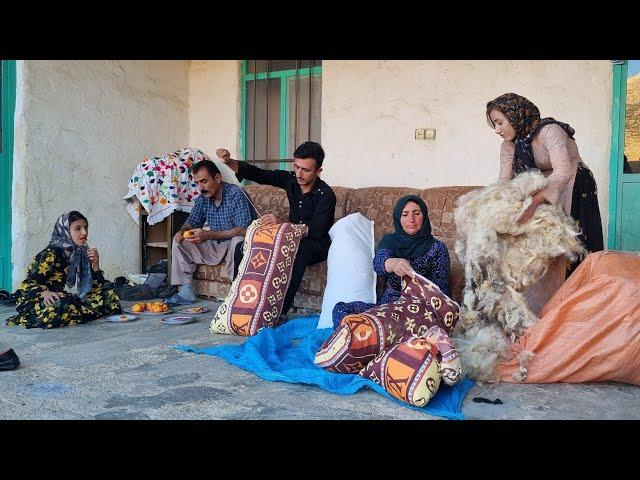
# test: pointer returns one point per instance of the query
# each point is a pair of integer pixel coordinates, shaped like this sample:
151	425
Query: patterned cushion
257	294
450	367
360	337
411	369
408	370
439	307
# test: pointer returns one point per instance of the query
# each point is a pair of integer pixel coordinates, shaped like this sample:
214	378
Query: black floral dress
48	271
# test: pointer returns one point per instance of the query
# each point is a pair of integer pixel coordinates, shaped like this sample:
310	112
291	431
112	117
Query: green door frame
8	92
618	112
617	176
283	75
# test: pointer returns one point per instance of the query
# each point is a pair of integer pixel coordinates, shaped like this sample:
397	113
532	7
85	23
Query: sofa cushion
315	279
376	203
212	273
441	201
268	199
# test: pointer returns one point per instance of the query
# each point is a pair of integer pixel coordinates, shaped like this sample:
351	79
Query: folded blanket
163	185
286	354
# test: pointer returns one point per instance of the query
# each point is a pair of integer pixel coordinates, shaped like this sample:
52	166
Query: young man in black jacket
311	202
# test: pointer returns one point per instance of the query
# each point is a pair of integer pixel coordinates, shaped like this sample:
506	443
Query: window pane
261	66
282	65
631	157
254	66
263	120
299	90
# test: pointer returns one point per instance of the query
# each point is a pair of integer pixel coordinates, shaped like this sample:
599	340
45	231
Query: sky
634	68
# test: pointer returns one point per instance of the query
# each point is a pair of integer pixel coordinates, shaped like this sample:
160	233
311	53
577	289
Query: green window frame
285	122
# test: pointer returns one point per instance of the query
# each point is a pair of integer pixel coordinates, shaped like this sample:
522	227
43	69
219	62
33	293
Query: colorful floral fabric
164	184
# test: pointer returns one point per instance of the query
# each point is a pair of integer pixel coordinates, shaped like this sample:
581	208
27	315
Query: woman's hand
94	258
538	199
399	266
50	298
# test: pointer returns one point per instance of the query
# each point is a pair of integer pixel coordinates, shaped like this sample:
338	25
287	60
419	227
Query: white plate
194	310
121	318
178	320
150	314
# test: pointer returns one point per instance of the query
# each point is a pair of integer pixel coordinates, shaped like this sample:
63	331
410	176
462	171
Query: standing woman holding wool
531	142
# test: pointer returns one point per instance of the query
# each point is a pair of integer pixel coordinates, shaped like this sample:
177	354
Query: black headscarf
524	117
401	243
79	272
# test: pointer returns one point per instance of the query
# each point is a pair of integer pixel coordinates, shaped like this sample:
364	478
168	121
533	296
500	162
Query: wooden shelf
158	244
156	240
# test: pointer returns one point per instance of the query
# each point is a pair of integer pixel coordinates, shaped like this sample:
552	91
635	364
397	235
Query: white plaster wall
370	110
214	106
81	127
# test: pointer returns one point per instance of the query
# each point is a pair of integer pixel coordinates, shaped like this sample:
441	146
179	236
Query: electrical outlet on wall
425	133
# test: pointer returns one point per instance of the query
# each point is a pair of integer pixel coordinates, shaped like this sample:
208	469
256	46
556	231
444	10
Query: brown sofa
375	203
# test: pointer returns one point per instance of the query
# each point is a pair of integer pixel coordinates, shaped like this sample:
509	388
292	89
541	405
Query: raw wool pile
501	259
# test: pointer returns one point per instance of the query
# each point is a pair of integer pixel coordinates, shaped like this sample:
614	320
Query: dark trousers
585	209
310	252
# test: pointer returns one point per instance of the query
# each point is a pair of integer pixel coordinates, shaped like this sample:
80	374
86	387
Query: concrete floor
107	370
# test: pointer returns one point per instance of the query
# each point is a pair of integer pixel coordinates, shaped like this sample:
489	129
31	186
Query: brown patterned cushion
214	273
315	279
376	203
257	293
268	199
411	369
360	337
408	370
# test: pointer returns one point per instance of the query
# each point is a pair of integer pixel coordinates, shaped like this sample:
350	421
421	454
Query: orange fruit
137	307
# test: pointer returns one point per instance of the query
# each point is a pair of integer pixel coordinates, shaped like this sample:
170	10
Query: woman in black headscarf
41	299
411	248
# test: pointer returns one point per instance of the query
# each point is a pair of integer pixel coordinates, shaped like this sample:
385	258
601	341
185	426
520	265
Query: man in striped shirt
227	213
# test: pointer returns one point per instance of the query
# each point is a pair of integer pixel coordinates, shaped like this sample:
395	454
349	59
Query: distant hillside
632	123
